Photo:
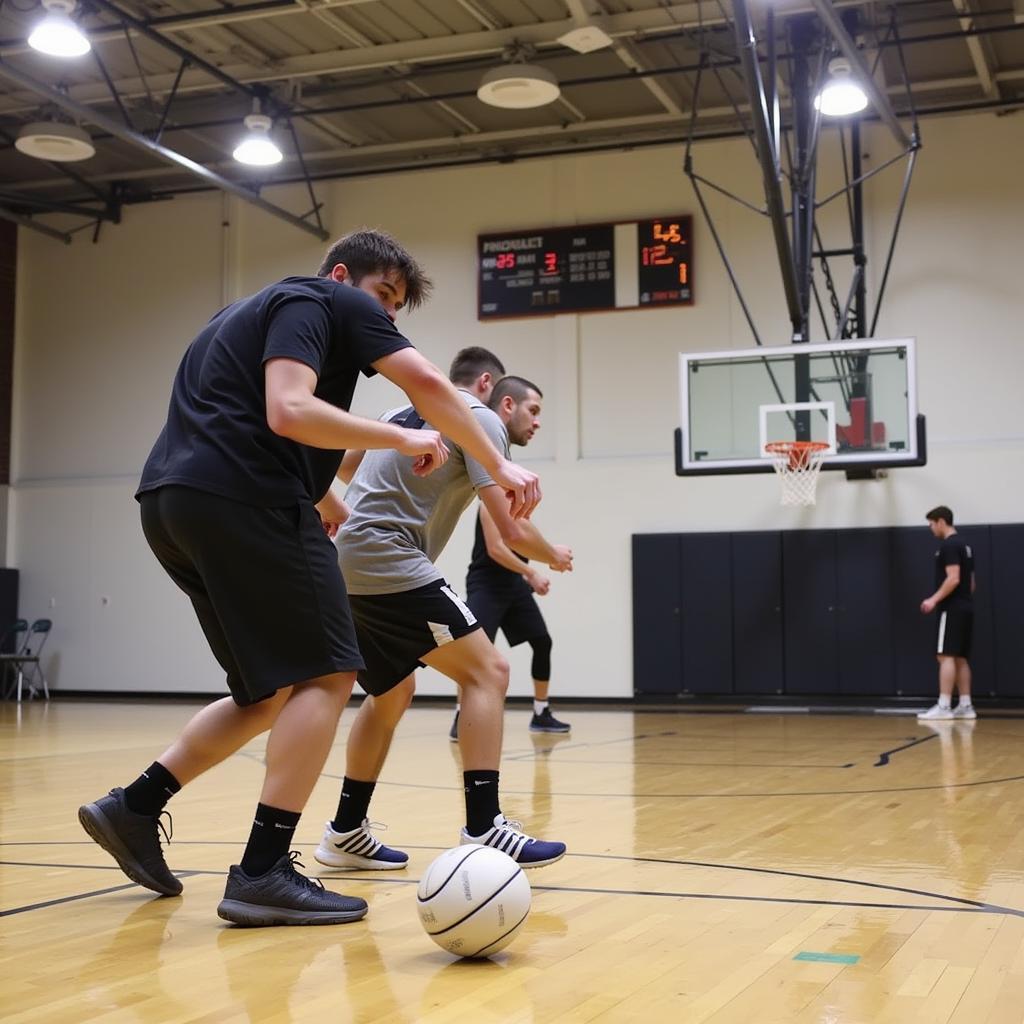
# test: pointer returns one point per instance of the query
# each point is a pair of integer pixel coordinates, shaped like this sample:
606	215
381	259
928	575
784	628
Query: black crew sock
481	801
353	805
271	835
149	793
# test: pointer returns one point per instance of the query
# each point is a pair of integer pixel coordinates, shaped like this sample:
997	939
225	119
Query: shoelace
309	883
517	827
167	830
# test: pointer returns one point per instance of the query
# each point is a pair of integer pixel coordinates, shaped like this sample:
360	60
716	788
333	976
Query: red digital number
505	260
655	255
669	234
551	263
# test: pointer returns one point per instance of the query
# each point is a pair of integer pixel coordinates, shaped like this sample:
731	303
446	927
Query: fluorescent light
57	35
841	95
258	148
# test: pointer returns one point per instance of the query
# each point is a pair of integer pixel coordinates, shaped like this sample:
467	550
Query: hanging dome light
258	149
57	35
518	87
56	141
841	95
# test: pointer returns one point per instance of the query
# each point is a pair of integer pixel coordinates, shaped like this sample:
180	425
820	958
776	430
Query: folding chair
13	641
29	655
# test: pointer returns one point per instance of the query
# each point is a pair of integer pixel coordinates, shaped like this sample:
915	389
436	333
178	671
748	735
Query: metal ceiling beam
879	100
28	222
976	49
168	156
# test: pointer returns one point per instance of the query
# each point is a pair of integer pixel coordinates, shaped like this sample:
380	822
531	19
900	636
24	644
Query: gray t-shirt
401	522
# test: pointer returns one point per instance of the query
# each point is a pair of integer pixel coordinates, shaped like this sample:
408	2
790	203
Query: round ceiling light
55	140
518	87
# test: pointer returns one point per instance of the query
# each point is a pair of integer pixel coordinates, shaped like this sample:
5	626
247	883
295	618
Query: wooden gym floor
721	867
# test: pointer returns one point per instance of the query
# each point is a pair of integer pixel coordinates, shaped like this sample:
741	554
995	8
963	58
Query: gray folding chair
13	640
28	656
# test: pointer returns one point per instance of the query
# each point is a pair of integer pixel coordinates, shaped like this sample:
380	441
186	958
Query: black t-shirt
485	571
217	438
955	551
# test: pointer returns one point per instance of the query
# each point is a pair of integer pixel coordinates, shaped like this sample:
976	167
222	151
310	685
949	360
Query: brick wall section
8	270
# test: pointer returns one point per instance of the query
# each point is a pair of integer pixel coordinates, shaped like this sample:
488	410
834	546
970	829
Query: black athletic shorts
396	630
264	583
955	626
513	610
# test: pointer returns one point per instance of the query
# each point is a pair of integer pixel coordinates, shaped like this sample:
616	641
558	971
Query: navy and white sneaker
546	722
509	837
358	850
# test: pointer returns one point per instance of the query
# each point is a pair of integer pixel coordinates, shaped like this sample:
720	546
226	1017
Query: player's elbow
512	533
285	414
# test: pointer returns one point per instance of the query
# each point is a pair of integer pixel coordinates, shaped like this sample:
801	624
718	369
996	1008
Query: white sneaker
358	849
935	713
965	711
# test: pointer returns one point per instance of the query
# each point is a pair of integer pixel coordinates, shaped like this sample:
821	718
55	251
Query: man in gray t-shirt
406	615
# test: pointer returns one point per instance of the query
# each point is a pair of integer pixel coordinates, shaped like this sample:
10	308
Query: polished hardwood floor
723	867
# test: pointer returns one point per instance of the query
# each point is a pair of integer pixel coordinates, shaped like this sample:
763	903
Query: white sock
539	706
964	702
945	703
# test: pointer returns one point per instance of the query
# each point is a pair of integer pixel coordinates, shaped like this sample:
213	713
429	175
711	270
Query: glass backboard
858	397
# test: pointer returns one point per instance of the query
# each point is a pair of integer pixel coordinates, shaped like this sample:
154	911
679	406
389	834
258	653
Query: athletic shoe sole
540	863
356	863
540	728
251	915
101	830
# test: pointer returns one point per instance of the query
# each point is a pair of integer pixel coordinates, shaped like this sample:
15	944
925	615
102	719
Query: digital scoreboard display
586	268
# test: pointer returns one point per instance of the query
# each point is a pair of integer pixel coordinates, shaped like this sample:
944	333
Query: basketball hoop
797	464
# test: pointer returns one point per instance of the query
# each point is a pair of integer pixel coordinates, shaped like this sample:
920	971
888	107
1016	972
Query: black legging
540	668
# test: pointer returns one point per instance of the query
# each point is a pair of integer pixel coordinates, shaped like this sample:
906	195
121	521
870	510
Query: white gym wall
101	328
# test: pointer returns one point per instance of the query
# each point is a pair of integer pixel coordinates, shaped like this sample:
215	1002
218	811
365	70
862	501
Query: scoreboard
586	268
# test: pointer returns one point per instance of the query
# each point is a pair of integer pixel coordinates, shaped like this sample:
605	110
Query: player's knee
496	674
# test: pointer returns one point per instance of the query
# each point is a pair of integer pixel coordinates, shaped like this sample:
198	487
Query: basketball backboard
858	397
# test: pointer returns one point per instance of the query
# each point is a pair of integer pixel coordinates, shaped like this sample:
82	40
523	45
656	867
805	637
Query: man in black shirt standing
237	507
501	583
953	600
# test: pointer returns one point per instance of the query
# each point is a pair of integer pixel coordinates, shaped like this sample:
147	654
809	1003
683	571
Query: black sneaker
546	722
133	840
453	732
283	896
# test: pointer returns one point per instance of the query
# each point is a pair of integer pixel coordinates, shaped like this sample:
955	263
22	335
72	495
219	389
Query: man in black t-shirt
953	600
237	506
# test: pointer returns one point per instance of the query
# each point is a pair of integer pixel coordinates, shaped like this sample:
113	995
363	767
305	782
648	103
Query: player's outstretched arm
501	553
294	411
521	535
438	402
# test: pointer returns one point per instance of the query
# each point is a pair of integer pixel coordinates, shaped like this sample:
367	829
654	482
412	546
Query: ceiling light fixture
841	95
258	149
57	35
518	87
54	140
586	38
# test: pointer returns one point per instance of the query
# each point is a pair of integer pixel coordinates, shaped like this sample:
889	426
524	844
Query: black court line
712	796
962	903
883	758
538	755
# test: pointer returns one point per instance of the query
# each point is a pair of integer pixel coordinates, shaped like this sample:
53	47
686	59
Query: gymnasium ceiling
387	85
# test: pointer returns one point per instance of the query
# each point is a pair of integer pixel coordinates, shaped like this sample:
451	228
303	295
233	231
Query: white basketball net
797	465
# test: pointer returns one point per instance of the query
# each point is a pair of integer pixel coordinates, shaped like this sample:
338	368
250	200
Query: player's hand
333	512
521	487
927	606
562	562
538	584
427	448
